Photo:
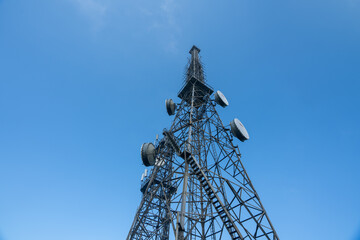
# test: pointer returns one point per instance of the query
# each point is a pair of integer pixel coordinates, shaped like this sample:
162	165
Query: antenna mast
197	187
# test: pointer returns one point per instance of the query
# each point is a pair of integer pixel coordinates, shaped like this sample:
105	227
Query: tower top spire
195	80
195	67
194	50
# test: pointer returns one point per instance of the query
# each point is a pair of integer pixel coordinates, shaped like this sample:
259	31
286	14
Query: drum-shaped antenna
170	106
221	99
238	130
148	154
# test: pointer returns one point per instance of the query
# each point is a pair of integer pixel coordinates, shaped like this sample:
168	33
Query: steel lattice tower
197	187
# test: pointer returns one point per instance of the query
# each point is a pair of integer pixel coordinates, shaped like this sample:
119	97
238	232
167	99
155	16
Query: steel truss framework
200	189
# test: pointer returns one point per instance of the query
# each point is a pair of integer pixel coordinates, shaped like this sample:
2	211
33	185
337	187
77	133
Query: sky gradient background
83	84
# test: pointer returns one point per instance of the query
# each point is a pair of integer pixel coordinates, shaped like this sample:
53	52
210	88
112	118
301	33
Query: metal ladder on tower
214	198
209	189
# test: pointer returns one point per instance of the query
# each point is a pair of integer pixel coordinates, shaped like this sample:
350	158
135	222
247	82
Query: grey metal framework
199	188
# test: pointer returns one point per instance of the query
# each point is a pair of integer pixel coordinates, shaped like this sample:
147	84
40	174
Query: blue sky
83	84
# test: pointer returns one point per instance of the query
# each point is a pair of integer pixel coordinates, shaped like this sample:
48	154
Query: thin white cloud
163	20
172	45
146	12
168	7
94	10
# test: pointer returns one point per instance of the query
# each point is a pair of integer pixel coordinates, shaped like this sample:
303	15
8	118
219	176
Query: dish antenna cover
221	99
170	106
238	130
148	154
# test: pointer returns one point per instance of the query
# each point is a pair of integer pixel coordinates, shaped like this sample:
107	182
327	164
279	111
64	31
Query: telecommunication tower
197	187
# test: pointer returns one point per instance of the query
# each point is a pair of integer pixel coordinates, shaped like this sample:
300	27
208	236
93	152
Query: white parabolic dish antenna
221	99
148	154
238	130
170	106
